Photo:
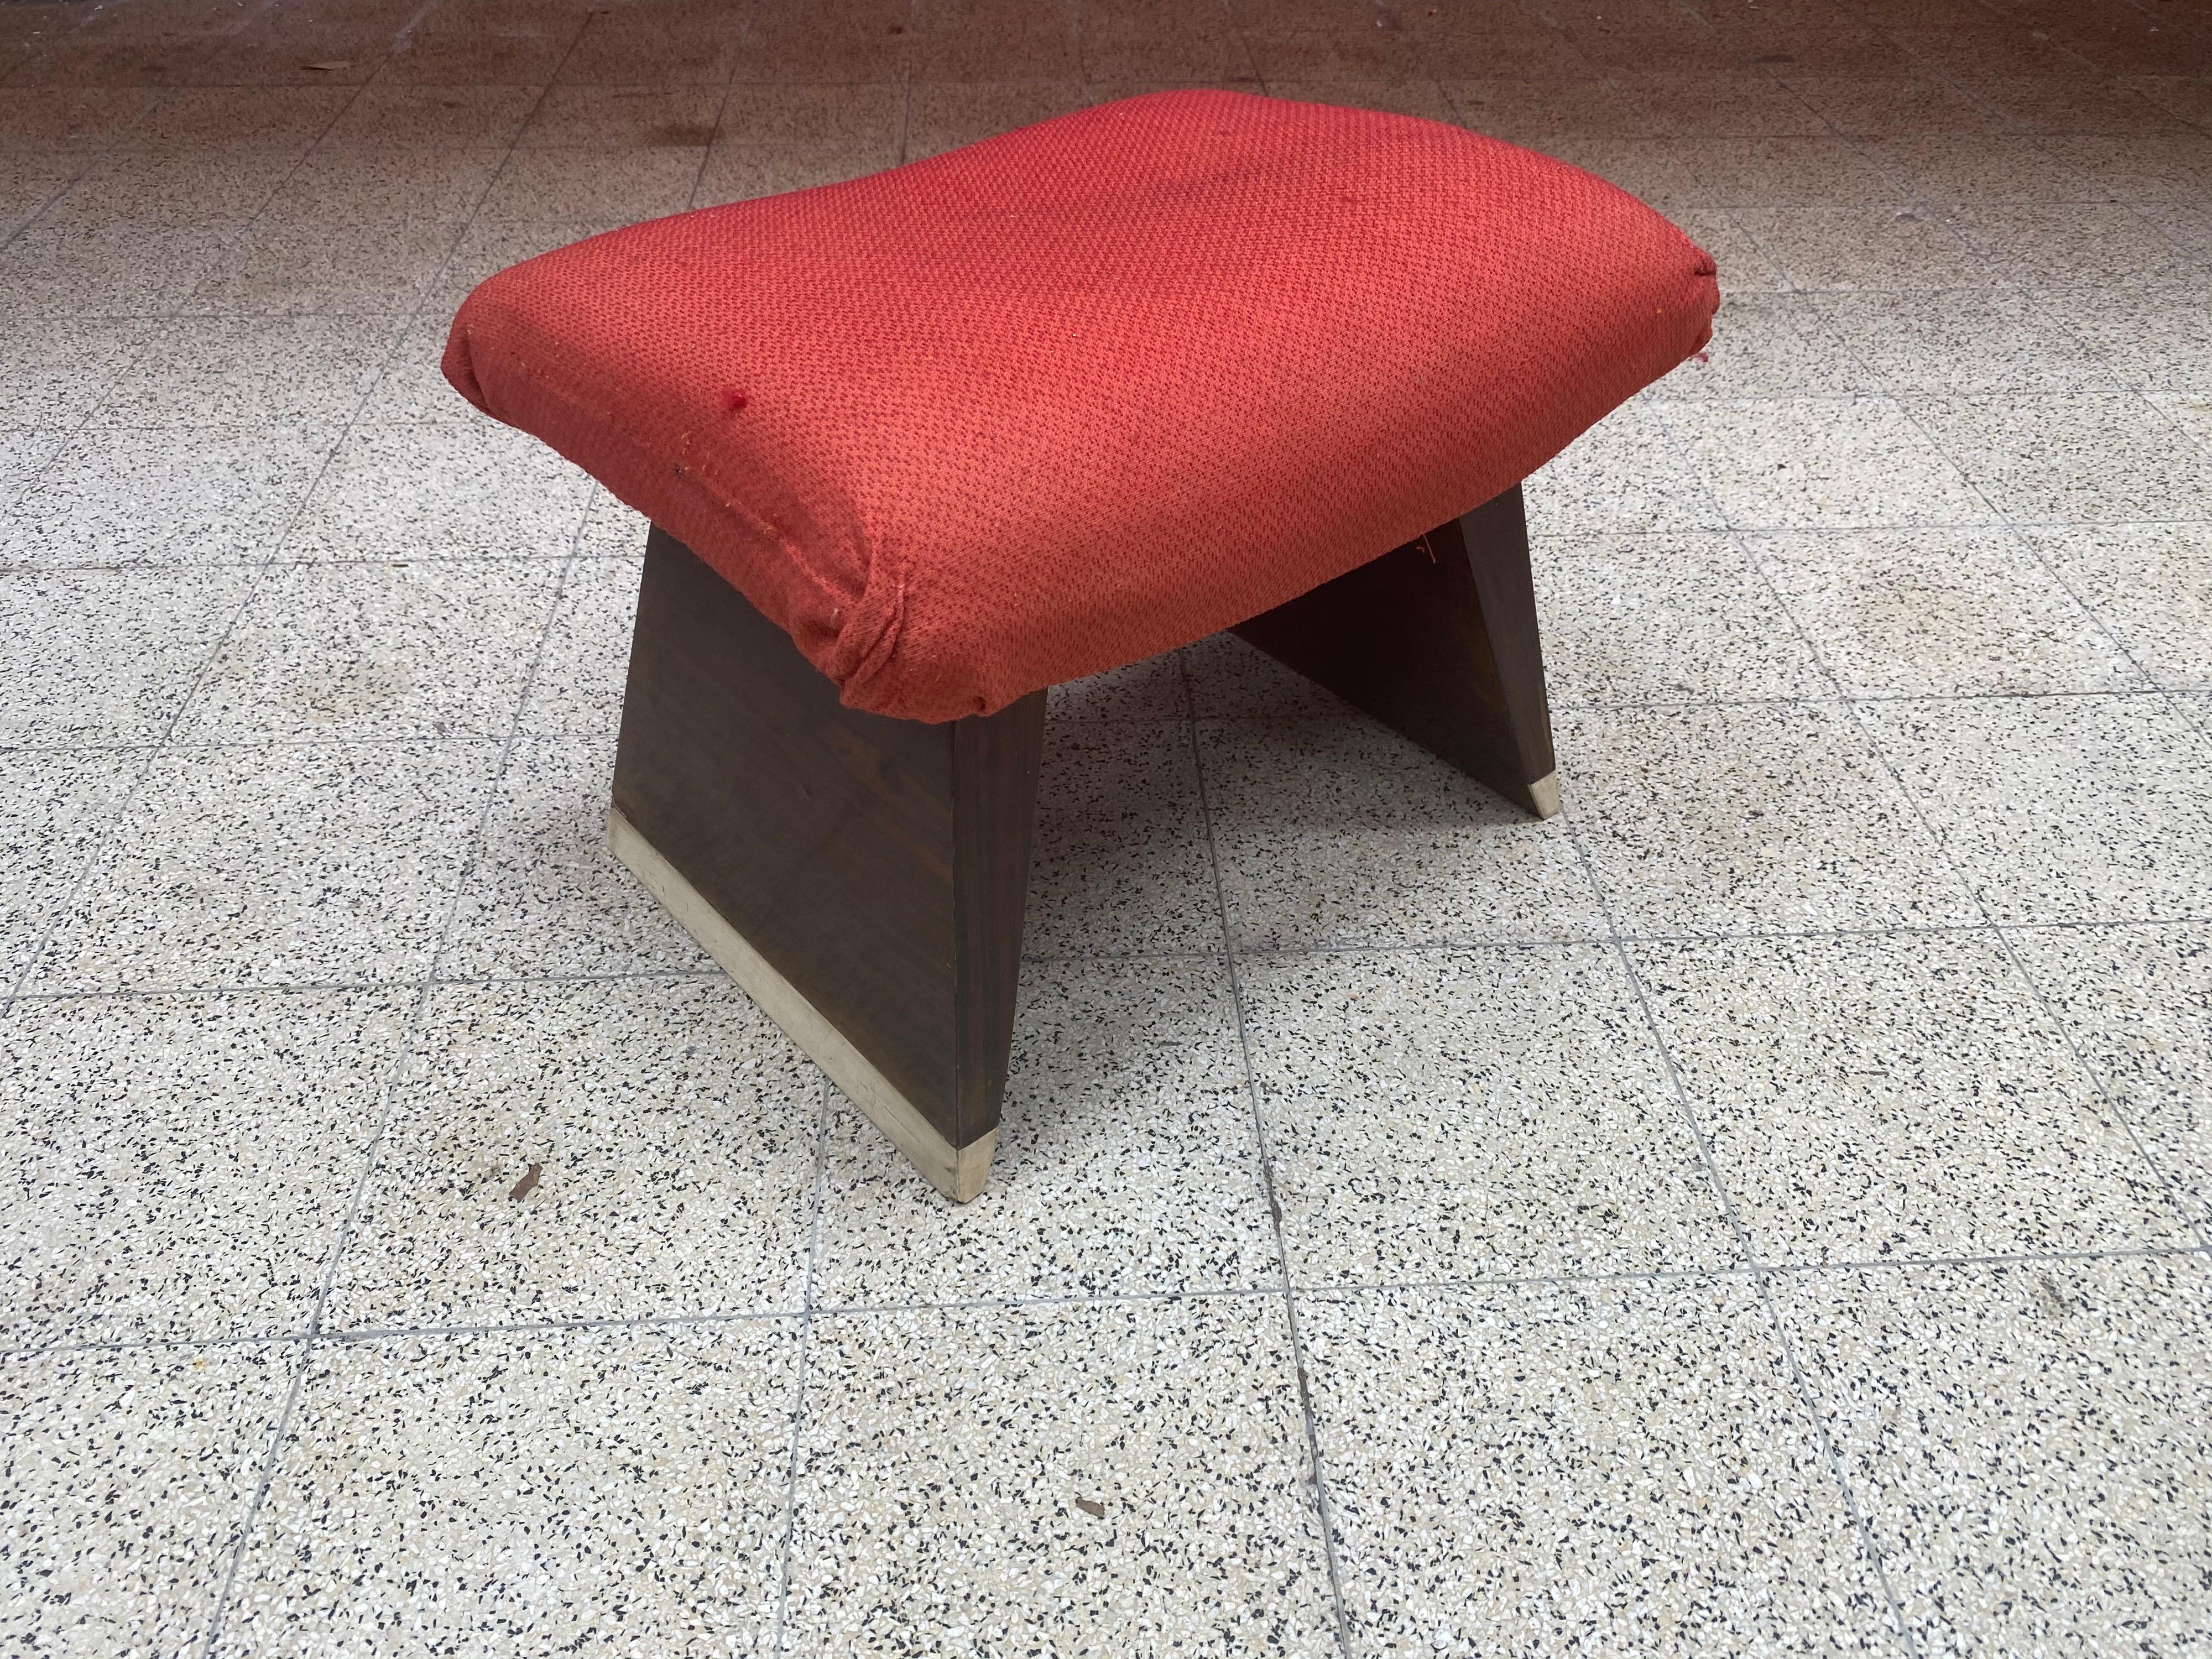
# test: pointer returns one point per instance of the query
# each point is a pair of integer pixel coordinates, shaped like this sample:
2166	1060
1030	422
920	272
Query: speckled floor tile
1119	865
188	496
1785	463
1657	171
1127	1160
1744	267
536	1492
1563	1470
2151	584
1849	246
1866	105
285	120
1233	681
2160	339
584	664
1732	105
1951	340
1747	171
2162	167
411	384
544	896
944	111
29	182
2192	415
431	492
1900	1098
626	184
2063	809
169	187
274	865
2068	104
71	116
2138	1002
1118	1478
24	453
250	371
764	112
661	117
2184	225
1639	619
348	184
389	113
1726	819
1149	690
661	1133
1629	472
1417	97
2078	457
761	169
1523	112
126	1478
1767	345
108	656
366	267
2185	96
436	648
612	529
104	271
59	371
1464	1115
1951	170
486	249
178	1167
52	802
1940	613
2075	247
1341	832
2029	1441
672	48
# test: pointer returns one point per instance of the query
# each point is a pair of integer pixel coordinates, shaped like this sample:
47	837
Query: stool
917	446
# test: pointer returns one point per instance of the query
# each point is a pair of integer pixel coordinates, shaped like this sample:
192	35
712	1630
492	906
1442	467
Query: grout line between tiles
2188	1209
388	1087
366	1334
802	1365
1811	1400
97	841
1808	1403
1595	940
1323	1508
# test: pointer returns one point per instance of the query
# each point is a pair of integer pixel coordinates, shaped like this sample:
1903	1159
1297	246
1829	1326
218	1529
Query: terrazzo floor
1764	1211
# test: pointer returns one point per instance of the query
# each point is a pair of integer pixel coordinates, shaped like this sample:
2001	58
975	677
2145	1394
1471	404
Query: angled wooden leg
1437	639
862	878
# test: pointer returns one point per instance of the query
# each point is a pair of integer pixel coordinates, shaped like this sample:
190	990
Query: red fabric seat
1089	390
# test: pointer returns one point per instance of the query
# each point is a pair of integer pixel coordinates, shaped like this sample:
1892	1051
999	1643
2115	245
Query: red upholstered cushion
1092	390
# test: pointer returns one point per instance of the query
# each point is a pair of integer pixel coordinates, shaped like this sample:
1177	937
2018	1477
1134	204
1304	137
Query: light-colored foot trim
958	1172
1545	792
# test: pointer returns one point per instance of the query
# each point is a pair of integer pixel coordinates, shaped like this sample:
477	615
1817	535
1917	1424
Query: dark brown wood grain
879	864
1437	639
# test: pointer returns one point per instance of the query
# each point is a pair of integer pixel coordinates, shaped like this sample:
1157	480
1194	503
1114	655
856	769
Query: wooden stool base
958	1172
862	878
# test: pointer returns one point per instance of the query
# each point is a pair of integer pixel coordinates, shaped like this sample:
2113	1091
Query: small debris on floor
521	1189
1096	1512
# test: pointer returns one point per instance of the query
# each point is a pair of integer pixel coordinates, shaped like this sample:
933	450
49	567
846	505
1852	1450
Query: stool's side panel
822	836
1437	639
994	766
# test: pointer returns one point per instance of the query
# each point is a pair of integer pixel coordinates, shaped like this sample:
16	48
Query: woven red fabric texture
1092	390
